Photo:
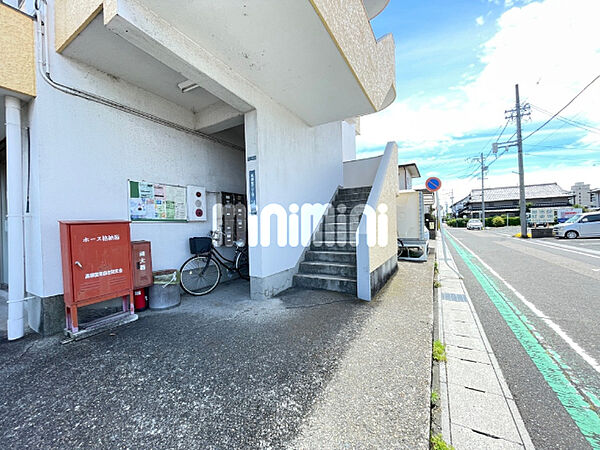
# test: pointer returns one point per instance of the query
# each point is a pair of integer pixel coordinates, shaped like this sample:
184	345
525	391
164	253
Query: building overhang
317	58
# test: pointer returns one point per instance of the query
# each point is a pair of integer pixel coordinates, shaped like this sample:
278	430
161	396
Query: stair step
327	282
347	206
355	190
351	198
333	245
339	226
328	268
329	256
337	235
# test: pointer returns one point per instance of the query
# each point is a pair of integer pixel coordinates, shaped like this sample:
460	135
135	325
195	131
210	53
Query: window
593	218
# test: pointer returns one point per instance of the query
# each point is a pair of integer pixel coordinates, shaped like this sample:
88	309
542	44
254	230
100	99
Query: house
406	173
255	101
505	200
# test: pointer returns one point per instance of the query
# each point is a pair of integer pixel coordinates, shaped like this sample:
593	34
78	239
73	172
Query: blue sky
457	63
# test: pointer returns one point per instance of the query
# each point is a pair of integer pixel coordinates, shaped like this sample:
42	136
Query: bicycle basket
200	245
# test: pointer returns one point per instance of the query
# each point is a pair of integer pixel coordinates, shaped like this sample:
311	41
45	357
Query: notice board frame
182	192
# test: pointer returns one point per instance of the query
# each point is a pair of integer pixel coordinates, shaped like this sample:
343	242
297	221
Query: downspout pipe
14	194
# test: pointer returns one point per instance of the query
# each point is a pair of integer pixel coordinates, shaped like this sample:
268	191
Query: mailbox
96	263
141	264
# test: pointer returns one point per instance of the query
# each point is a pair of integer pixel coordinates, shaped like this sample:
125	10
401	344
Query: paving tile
465	439
462	328
473	375
482	412
467	353
460	314
455	306
463	341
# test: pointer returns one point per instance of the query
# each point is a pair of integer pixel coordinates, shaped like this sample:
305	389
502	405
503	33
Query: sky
457	63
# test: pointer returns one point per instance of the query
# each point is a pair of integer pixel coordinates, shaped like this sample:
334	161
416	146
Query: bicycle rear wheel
242	265
200	275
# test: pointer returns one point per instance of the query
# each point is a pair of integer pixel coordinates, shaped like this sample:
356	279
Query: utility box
141	264
96	265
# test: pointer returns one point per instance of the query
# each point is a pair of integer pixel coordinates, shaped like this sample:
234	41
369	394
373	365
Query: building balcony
17	55
317	58
375	7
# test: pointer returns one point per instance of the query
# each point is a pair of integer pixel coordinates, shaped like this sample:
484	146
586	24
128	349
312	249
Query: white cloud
480	21
549	48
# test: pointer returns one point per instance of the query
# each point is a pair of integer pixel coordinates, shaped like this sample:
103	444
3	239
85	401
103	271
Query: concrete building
505	200
595	197
256	99
582	194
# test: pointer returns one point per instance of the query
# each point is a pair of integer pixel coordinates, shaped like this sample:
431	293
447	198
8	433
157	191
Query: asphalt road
538	301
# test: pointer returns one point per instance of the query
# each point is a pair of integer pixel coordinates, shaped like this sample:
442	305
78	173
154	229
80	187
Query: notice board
157	202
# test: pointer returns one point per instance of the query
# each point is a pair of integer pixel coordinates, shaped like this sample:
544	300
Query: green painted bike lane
582	406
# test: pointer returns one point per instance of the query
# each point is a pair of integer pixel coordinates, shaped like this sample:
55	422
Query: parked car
474	224
580	225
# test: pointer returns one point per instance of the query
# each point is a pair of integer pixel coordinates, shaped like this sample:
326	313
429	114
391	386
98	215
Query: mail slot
141	264
96	263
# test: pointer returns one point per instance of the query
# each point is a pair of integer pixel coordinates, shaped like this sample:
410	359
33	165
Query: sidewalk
478	410
308	369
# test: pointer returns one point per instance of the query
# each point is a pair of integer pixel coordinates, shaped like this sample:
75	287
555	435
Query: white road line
564	249
565	337
568	247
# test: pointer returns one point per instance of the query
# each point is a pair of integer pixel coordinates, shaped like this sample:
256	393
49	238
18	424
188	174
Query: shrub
498	221
514	221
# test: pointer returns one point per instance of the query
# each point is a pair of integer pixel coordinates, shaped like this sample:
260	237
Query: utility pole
452	204
482	191
522	199
517	114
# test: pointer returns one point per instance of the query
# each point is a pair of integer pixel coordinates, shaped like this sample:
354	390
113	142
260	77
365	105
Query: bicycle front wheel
200	275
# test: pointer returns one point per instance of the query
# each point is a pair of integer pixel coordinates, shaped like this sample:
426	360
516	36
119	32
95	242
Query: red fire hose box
96	265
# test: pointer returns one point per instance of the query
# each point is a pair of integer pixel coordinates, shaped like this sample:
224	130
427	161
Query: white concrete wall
361	172
404	179
294	164
84	153
348	141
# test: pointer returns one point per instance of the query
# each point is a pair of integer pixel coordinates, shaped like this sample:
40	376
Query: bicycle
201	273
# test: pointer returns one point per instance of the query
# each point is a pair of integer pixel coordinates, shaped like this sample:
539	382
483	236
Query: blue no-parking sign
433	184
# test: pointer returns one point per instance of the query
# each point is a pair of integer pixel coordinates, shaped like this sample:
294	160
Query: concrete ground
538	302
308	369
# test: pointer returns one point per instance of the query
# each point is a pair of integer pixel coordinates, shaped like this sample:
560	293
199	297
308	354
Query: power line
568	121
562	109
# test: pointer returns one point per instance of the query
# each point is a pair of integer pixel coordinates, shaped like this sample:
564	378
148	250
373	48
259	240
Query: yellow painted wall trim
17	52
71	18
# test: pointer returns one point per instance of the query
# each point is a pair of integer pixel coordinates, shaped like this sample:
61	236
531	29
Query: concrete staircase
330	262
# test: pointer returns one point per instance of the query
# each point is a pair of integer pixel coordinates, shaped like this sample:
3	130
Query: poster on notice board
156	202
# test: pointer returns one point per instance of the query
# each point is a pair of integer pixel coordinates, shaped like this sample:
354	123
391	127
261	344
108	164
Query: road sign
433	184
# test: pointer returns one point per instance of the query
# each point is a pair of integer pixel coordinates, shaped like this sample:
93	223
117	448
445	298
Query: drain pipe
14	188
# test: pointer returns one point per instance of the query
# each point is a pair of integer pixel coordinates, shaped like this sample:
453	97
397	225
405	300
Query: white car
580	225
474	224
